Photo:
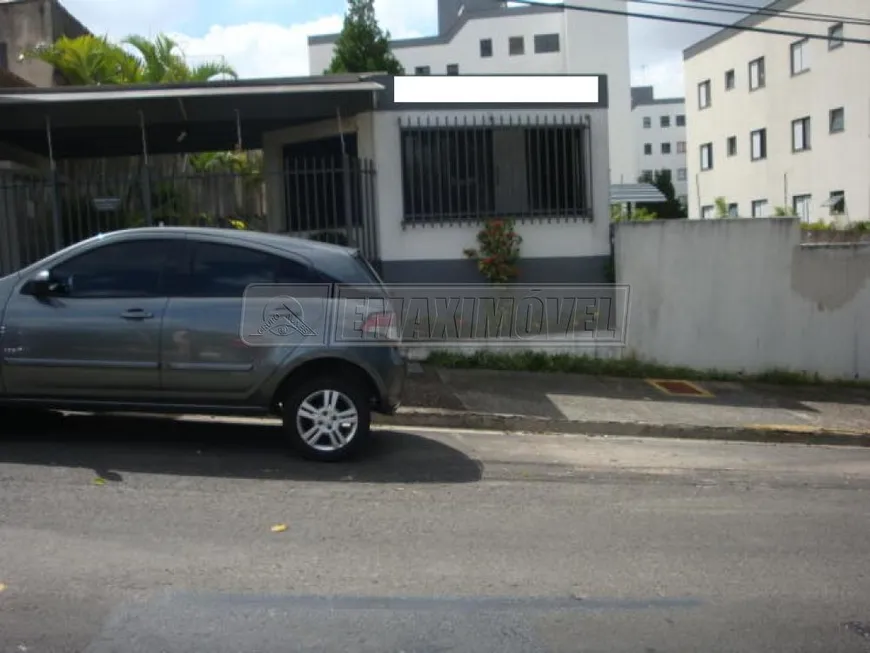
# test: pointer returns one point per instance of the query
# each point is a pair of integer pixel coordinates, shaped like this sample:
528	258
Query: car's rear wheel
327	418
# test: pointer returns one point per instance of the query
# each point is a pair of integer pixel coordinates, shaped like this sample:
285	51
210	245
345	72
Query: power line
695	21
767	11
734	9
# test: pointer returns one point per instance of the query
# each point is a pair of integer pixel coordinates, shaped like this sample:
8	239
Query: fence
467	168
326	200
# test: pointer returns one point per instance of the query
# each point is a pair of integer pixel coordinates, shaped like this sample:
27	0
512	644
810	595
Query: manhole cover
681	388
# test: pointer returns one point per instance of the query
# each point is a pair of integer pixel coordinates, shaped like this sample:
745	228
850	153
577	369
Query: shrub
498	251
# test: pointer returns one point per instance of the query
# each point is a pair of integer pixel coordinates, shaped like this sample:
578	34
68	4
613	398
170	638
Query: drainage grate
678	388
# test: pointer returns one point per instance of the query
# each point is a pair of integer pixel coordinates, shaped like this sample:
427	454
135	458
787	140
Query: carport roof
102	121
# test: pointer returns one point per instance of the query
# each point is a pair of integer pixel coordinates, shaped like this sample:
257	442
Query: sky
268	38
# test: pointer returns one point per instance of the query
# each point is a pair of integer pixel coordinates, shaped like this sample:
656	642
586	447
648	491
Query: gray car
164	320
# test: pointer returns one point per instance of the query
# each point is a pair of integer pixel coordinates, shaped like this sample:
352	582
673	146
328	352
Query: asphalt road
434	542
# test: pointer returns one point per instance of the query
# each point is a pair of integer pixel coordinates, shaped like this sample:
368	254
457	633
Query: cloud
258	49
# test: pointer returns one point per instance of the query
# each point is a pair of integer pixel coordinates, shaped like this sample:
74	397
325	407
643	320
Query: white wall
378	137
837	78
589	44
656	135
540	239
744	296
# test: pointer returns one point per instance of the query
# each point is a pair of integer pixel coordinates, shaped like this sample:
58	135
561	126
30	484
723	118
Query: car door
205	360
97	336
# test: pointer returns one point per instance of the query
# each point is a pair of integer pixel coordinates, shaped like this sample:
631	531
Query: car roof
285	242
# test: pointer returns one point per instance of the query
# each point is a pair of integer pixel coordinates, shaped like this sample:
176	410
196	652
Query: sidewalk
567	403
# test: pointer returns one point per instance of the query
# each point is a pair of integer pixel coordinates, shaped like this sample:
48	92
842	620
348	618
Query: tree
671	208
93	60
362	46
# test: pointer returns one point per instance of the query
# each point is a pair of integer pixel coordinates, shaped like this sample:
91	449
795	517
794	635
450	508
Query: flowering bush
498	251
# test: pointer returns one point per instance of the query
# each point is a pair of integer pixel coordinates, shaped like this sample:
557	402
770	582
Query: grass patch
532	361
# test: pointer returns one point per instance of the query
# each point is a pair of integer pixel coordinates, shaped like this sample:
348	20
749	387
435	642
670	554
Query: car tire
323	432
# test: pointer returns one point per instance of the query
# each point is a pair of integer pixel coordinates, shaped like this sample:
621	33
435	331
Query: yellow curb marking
804	428
2	587
279	528
698	391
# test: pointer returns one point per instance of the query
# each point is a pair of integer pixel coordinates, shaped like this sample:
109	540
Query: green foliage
362	46
498	251
671	208
721	205
95	60
627	366
784	212
618	213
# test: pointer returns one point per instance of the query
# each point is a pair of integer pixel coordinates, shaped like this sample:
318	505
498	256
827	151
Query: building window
800	59
516	46
681	120
477	171
546	43
835	36
837	120
665	121
801	206
800	134
4	56
759	208
756	74
707	212
732	211
732	145
729	80
485	48
682	174
666	148
837	202
758	144
704	94
422	70
647	148
707	156
453	69
681	147
647	122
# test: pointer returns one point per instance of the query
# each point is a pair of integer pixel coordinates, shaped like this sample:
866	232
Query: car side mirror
43	284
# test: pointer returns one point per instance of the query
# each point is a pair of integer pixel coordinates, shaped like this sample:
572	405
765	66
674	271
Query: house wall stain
830	276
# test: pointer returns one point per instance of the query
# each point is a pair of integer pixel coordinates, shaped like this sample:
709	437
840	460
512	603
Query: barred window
466	171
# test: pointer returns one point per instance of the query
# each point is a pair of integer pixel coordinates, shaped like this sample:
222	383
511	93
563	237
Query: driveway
149	535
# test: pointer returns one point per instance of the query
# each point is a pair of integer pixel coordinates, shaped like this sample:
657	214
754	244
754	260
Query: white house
660	136
481	37
410	181
782	120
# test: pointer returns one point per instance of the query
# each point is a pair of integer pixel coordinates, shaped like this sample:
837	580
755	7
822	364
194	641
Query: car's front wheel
327	418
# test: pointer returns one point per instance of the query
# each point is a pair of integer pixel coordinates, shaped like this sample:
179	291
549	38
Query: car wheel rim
327	420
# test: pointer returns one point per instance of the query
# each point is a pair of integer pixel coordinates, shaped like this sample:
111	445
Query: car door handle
136	314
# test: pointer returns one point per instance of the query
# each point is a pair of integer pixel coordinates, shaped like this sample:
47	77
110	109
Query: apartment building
483	37
782	120
26	23
660	136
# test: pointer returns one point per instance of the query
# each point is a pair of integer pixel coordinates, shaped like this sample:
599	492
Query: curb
780	434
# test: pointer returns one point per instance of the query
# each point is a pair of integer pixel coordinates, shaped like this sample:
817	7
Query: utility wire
767	11
733	9
695	21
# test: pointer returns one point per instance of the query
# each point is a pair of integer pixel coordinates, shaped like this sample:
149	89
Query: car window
226	270
128	269
350	269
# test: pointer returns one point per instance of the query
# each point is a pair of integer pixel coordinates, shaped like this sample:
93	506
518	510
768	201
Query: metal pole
146	173
55	199
345	173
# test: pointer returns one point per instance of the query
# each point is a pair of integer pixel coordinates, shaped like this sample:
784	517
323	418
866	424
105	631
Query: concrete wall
588	44
836	78
552	252
745	296
26	23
